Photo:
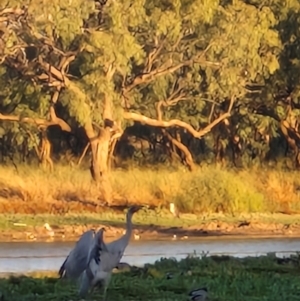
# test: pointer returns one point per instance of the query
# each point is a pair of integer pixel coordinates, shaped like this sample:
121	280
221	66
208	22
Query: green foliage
129	55
220	190
226	278
77	106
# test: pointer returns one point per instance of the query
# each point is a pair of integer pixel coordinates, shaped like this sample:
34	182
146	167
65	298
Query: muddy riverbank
23	232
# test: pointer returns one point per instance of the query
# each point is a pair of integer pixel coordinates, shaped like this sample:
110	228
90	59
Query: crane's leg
97	285
84	285
100	285
106	283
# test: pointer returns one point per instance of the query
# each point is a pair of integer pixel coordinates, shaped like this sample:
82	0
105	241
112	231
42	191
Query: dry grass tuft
209	189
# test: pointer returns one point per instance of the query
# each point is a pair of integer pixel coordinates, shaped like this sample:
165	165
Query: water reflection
18	257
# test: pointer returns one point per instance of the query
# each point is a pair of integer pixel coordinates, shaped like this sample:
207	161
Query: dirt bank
212	228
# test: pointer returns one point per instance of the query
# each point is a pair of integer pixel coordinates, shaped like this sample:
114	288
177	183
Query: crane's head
132	210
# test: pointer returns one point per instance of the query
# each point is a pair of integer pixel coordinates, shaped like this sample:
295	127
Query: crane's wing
105	259
99	260
77	260
97	247
117	248
62	269
108	261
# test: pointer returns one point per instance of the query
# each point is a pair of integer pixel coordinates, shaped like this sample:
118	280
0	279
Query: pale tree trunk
100	146
99	167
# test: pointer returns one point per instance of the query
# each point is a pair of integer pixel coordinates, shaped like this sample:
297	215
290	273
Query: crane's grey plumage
100	265
76	261
107	258
199	294
119	245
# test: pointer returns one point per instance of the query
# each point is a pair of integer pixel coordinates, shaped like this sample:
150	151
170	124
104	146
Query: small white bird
137	236
49	229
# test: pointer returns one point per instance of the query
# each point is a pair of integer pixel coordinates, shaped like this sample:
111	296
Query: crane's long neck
128	226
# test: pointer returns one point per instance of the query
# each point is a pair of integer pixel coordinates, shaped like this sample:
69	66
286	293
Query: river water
20	257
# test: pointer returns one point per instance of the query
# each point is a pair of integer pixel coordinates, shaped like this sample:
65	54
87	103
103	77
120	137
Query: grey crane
78	259
99	273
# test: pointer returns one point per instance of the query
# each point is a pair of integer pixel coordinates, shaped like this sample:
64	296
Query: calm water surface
19	257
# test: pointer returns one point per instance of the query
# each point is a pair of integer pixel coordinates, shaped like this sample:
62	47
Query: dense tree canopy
195	79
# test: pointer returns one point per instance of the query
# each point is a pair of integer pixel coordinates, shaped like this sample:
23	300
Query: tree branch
148	77
176	95
167	103
54	120
265	111
60	122
184	149
153	54
36	121
61	80
65	62
175	122
15	11
54	71
111	69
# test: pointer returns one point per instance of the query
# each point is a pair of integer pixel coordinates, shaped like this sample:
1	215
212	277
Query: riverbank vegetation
114	103
226	278
206	191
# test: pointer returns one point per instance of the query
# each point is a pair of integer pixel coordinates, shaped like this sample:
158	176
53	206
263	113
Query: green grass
227	279
207	190
142	218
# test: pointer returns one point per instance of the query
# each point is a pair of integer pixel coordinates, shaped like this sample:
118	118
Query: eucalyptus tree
37	45
196	63
275	111
185	57
169	64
